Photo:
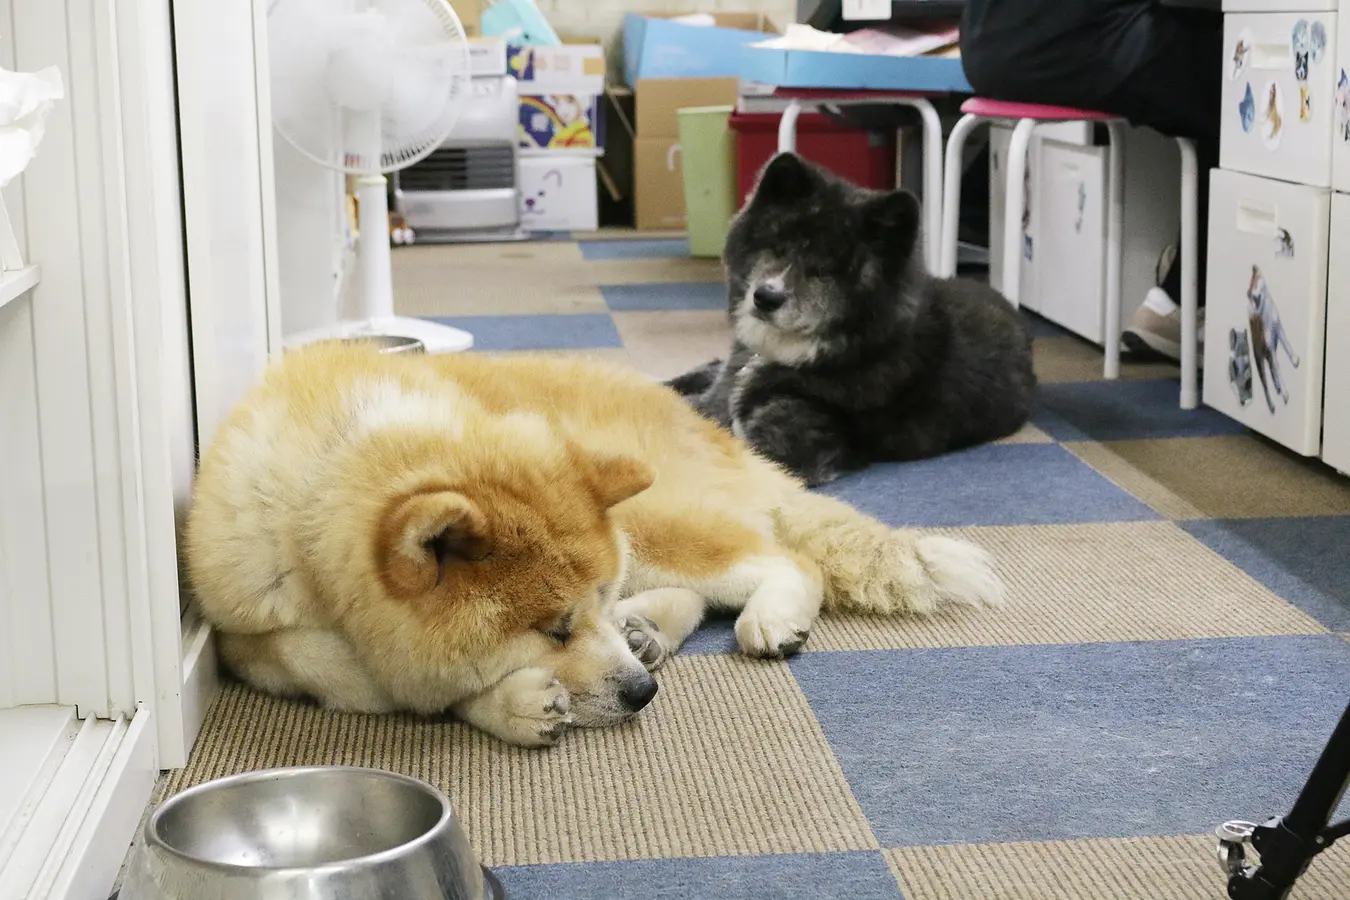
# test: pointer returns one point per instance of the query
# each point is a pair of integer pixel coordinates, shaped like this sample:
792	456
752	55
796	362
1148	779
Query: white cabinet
1265	322
1071	194
1340	136
1279	95
1064	237
1336	401
999	138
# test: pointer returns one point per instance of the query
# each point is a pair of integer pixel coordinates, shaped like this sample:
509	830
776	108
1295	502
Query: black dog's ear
892	219
786	179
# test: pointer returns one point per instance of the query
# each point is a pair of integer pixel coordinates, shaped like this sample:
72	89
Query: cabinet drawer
1279	95
1336	420
1265	318
1071	196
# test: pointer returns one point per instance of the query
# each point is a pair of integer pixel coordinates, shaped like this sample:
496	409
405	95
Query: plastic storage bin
1340	137
709	149
865	158
1279	95
1336	421
1266	308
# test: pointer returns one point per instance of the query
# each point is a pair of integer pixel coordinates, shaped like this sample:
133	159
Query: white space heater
465	190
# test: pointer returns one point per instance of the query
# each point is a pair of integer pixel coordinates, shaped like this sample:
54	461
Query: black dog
846	351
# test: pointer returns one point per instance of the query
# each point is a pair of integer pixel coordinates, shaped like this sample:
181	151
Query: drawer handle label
1272	56
1256	219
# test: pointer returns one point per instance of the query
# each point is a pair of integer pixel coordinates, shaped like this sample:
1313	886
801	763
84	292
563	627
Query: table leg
787	127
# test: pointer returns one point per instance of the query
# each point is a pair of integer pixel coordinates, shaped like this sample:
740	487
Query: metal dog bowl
323	833
389	343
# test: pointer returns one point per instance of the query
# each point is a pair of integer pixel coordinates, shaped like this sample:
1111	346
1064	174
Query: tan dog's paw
768	634
646	640
527	708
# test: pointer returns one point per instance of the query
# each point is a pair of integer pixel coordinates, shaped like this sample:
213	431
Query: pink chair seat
999	109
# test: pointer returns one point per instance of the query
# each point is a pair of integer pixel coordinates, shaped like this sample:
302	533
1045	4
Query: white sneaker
1156	328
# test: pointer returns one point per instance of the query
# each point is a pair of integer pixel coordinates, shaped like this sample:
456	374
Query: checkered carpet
1174	654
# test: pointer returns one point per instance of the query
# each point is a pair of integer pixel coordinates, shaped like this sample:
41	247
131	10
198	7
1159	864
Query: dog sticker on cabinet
1268	338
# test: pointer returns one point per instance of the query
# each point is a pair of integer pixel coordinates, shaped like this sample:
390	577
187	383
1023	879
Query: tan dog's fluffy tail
871	568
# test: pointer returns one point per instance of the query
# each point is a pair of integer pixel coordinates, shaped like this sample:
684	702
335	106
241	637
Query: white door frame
102	392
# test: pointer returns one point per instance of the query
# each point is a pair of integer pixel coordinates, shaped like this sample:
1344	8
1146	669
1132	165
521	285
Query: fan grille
406	63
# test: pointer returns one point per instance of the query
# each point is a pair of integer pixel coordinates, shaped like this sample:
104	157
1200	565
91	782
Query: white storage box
558	192
1278	5
1279	101
1064	276
999	139
1336	424
1265	318
1340	138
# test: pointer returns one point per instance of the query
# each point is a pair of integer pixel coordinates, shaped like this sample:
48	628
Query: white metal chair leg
787	127
1014	205
1190	288
951	194
1115	229
932	183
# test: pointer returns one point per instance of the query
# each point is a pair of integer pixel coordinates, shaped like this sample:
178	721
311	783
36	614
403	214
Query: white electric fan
368	87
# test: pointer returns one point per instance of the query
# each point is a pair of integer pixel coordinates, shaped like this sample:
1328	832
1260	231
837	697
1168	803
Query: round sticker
1242	52
1300	36
1247	109
1270	104
1317	41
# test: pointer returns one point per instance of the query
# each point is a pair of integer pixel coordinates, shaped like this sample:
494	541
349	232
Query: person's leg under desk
1176	90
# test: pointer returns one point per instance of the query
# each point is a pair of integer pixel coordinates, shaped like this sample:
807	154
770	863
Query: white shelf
13	284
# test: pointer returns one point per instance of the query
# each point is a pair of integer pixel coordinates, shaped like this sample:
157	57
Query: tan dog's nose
638	692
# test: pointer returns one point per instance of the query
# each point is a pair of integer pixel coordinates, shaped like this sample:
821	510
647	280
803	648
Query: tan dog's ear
614	478
423	533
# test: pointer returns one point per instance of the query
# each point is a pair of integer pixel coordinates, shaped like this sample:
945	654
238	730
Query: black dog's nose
638	692
768	299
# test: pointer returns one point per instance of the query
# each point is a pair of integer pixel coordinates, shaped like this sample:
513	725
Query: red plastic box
865	158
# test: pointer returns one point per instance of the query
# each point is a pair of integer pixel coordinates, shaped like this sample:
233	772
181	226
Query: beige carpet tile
613	355
1028	434
440	292
611	233
729	760
1135	581
517	255
670	342
1151	868
679	270
1234	476
1067	358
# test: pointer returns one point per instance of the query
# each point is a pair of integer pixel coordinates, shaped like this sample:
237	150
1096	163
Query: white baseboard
201	681
80	818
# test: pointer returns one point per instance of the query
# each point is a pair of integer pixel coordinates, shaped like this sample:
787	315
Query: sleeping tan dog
517	541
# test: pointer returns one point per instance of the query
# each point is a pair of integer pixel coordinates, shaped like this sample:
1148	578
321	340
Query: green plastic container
708	158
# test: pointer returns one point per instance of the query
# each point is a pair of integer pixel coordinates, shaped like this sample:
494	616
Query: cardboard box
658	201
659	101
470	16
558	192
566	68
655	47
561	122
658	180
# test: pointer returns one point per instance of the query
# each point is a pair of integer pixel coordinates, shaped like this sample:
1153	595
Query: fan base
437	338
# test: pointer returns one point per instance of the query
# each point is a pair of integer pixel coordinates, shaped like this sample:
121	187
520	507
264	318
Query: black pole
1287	844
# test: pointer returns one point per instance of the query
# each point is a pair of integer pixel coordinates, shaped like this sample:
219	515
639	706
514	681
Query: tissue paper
25	100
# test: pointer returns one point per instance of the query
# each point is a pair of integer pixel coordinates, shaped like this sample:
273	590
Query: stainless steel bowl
323	833
388	343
